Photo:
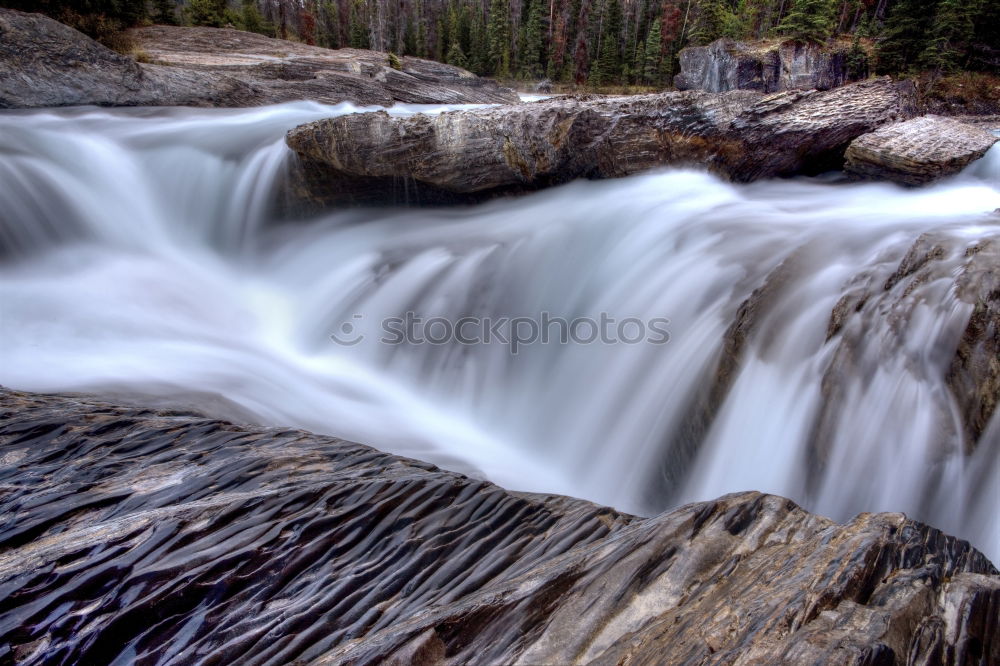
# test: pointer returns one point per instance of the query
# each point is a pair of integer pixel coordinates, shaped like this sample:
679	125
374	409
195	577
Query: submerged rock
164	537
727	65
470	154
44	63
918	151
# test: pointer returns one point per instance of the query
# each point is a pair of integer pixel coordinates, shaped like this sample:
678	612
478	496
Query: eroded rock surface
285	70
44	63
164	537
727	65
918	151
467	154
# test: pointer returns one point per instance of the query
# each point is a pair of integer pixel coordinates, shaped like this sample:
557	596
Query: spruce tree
651	70
809	21
950	37
715	20
456	56
533	42
904	35
498	36
203	13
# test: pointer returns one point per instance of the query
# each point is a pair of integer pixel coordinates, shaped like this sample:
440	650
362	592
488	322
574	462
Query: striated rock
286	70
468	154
918	151
162	537
727	65
44	63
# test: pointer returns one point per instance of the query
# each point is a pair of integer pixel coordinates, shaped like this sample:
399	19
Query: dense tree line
593	41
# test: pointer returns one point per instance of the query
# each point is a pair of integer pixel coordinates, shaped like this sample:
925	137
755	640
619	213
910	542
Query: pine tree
358	28
904	35
456	56
498	36
651	72
715	20
607	69
952	33
533	43
809	21
203	12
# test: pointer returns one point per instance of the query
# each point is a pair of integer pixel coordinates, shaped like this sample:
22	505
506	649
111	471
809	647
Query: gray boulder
918	151
729	65
471	154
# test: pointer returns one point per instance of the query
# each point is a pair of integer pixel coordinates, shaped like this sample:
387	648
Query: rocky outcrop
468	154
163	537
286	70
44	63
918	151
727	65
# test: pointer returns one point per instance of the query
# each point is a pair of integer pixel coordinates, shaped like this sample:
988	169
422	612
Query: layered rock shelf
462	155
918	151
162	536
44	63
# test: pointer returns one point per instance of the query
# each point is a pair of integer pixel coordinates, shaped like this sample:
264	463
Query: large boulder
468	154
145	536
44	63
918	151
727	65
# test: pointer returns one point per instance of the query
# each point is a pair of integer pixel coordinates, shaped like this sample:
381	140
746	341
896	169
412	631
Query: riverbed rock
44	63
727	65
165	537
918	151
470	154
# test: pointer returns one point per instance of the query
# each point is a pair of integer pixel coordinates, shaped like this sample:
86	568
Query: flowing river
144	255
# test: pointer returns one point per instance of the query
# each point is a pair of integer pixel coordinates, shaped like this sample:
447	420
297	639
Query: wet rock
470	154
44	63
164	537
729	65
918	151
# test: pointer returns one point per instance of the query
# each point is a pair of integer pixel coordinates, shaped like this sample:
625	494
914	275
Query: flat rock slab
44	63
741	135
135	535
918	151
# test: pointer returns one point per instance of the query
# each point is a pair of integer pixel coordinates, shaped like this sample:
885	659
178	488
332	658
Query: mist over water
140	255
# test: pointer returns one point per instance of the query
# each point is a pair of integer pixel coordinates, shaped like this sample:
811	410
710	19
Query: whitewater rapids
142	256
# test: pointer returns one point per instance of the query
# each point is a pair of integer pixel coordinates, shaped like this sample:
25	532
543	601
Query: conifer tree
904	35
533	43
456	56
203	13
498	36
651	71
809	21
715	20
950	36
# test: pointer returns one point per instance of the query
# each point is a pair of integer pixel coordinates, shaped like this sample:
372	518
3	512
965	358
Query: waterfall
142	254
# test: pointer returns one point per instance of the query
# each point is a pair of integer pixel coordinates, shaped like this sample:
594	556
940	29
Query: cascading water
141	255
